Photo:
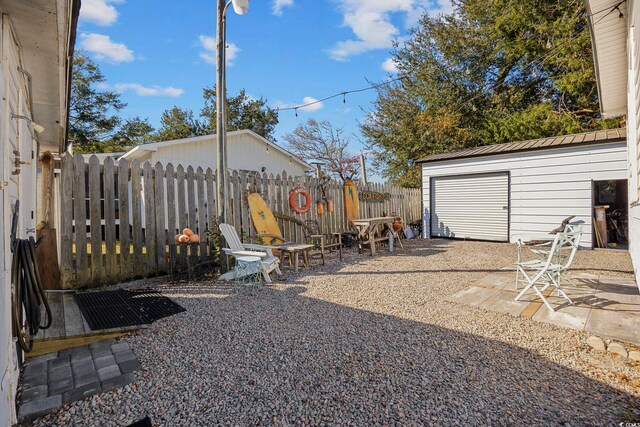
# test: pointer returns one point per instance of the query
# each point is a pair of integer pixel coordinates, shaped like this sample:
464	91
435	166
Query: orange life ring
293	200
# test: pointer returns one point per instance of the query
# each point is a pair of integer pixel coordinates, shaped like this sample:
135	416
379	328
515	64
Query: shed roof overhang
45	30
609	41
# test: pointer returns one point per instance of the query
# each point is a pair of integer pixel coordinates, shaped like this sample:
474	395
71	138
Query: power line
406	75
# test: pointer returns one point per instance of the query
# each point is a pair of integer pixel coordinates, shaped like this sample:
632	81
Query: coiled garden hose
28	292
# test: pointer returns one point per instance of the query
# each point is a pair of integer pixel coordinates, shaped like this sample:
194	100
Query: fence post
66	220
95	218
80	217
108	179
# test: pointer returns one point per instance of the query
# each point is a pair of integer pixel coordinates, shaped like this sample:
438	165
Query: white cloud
390	66
99	12
278	5
306	100
149	91
208	55
370	21
315	107
103	48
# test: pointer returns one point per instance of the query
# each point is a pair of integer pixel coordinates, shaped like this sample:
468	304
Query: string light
343	94
609	10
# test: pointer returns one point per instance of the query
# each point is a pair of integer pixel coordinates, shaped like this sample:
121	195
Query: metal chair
551	270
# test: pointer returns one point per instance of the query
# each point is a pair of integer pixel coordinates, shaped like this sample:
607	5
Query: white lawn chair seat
237	249
540	274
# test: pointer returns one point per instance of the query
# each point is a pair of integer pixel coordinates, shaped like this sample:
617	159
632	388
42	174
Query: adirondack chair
237	249
539	274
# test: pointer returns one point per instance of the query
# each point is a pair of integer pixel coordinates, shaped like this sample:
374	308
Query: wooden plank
80	218
279	201
202	215
161	233
73	320
95	218
66	221
108	178
126	266
149	219
56	329
183	219
49	346
136	213
243	212
191	198
172	227
212	219
47	251
236	200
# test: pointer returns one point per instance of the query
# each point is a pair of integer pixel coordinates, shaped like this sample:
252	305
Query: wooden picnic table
370	229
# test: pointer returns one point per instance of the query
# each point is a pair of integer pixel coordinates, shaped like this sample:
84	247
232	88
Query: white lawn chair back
231	236
568	245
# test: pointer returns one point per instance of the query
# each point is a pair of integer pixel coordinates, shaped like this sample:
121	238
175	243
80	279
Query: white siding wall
546	186
14	135
633	133
245	152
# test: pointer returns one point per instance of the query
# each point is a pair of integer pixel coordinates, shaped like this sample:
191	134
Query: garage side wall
545	186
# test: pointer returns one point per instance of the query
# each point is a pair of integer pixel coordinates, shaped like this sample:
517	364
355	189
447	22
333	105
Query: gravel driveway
371	341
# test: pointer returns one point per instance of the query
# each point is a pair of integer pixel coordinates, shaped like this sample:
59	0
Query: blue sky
161	53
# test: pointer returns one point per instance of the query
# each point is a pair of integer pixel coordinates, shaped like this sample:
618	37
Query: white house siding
15	134
545	186
633	132
244	153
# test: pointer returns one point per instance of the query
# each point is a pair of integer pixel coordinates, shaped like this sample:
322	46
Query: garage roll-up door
471	207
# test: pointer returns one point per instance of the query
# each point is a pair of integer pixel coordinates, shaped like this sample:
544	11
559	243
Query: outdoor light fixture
241	7
34	126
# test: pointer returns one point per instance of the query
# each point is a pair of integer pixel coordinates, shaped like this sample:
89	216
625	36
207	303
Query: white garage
506	191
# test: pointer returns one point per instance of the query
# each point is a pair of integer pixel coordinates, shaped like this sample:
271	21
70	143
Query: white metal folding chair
541	251
539	274
238	249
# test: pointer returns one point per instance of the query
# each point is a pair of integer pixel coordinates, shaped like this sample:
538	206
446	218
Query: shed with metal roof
523	189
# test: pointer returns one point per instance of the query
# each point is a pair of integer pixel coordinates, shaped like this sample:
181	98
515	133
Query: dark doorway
610	213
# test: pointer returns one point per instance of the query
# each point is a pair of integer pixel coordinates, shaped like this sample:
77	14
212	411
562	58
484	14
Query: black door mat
119	308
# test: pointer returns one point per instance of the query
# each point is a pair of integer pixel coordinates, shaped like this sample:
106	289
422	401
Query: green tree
132	132
94	122
178	123
92	111
243	112
494	71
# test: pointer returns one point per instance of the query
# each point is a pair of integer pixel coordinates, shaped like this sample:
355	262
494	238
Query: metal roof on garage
586	138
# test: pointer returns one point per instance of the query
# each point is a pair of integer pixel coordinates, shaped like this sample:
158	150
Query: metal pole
363	168
220	122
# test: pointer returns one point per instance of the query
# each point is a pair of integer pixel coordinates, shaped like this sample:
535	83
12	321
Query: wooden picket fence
132	212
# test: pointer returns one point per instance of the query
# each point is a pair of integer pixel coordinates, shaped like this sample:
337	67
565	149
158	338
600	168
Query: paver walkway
606	306
58	378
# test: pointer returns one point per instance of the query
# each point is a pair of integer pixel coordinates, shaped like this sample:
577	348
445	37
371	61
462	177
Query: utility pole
363	169
221	176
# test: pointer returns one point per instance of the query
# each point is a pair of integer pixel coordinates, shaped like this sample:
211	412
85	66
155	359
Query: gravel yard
371	341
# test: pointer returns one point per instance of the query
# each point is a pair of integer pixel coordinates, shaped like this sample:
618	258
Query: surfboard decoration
263	219
351	201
